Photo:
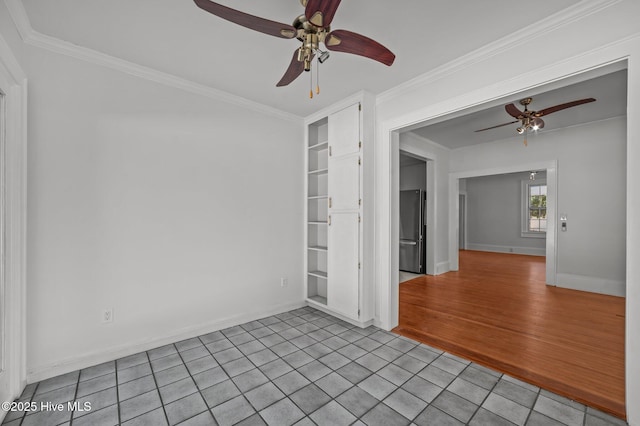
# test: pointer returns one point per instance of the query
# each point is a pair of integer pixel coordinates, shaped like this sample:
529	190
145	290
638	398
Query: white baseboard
591	284
442	267
378	323
532	251
321	307
94	358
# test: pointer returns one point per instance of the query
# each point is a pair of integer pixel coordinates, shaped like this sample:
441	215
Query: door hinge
359	265
359	107
360	202
359	161
360	144
329	220
358	313
329	202
329	150
359	218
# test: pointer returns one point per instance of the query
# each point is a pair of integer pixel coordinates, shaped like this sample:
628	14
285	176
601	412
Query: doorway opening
3	295
413	225
572	147
505	213
13	218
416	206
462	220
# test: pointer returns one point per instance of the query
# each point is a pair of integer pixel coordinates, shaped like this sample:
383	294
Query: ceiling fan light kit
311	28
530	121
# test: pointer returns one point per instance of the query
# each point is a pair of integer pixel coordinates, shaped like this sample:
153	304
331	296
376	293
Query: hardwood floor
497	311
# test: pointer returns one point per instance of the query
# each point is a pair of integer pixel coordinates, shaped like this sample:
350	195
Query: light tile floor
302	367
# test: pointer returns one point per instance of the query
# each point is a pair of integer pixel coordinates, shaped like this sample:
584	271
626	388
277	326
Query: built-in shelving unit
317	210
339	205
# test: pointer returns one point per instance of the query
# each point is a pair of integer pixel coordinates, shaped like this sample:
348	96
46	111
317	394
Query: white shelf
318	299
318	172
319	274
317	214
320	146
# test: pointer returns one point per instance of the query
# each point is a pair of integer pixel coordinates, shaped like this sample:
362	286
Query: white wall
494	215
591	192
413	177
9	32
163	205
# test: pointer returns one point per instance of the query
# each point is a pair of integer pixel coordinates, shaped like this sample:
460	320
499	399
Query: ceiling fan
311	28
530	120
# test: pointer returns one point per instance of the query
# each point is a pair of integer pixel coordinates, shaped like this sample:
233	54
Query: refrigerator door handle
408	242
424	211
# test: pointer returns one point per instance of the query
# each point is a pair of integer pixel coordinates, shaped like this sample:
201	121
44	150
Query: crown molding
525	35
343	103
53	44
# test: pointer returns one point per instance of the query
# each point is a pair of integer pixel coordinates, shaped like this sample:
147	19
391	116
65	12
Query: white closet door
342	264
344	131
344	183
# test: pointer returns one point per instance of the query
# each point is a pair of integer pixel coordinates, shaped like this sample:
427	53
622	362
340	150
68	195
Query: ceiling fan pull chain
310	84
317	74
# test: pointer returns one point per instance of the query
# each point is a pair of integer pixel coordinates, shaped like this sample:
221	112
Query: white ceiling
607	85
178	38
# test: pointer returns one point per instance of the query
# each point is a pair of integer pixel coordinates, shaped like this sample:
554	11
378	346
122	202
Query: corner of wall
443	267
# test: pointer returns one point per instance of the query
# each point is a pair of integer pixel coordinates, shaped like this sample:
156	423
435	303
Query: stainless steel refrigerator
412	231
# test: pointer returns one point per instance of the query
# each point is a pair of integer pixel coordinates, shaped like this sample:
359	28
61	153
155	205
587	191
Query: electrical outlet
284	282
107	315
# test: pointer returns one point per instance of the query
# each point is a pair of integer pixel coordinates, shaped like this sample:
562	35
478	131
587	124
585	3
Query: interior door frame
462	221
625	50
551	168
13	85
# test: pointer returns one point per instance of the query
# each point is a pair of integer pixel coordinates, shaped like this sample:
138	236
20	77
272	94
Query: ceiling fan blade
513	111
552	109
320	12
357	44
499	125
295	69
262	25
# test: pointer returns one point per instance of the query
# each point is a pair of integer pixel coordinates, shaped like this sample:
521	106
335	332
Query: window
534	208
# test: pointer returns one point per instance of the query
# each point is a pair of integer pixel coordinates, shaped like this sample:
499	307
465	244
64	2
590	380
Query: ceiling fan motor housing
310	36
304	28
